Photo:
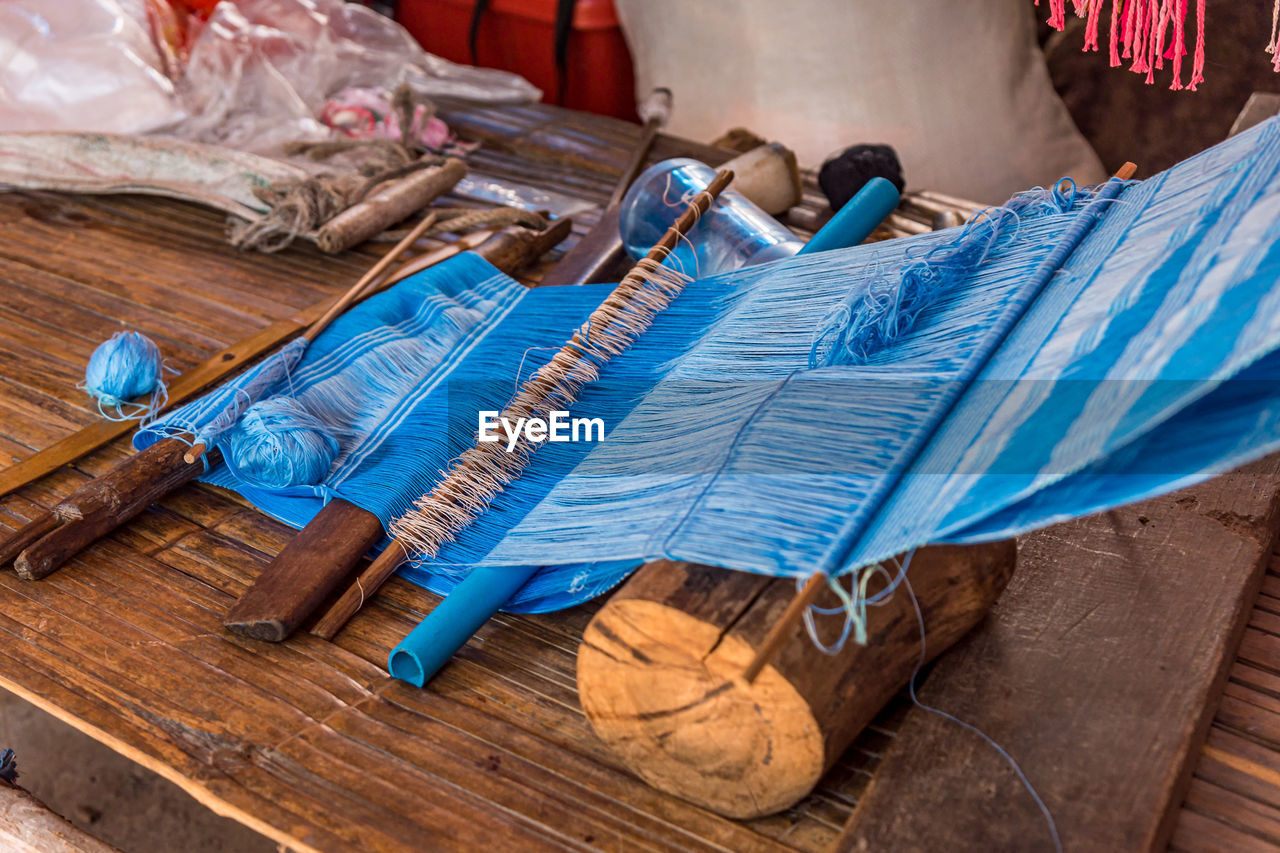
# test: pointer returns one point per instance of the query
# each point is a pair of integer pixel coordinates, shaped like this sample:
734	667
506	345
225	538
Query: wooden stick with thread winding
395	554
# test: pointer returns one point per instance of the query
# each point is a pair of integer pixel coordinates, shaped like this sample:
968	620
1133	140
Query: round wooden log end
664	691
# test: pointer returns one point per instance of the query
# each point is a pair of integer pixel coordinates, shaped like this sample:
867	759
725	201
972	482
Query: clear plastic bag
82	65
258	74
261	70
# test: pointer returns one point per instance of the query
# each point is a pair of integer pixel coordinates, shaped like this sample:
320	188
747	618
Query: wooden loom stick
444	509
782	629
659	664
324	553
101	505
344	301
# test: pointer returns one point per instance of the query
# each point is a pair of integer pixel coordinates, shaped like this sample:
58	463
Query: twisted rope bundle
301	207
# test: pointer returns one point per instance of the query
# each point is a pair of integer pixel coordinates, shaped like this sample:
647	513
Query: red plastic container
519	36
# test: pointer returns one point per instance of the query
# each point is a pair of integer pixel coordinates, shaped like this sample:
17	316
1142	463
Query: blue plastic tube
854	222
447	628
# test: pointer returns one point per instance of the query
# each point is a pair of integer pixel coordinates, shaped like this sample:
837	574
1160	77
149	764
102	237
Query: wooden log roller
660	673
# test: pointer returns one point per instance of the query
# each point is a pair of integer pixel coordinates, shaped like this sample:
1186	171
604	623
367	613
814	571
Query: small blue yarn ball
277	443
122	368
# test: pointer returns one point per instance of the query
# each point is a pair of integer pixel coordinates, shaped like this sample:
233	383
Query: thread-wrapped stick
389	205
485	469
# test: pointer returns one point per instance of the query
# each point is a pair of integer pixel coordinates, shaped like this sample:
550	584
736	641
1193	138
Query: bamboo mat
1234	799
308	742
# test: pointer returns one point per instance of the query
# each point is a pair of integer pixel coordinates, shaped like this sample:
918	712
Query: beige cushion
958	88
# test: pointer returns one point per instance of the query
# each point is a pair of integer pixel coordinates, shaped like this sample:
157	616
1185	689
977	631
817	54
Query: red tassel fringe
1148	32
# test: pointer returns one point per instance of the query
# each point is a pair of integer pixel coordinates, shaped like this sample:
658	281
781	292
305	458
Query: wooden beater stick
344	302
460	481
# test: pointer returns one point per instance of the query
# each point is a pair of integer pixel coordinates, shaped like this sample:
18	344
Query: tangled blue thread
277	443
121	370
871	319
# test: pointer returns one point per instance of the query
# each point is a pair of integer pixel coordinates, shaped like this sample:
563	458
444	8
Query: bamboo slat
307	742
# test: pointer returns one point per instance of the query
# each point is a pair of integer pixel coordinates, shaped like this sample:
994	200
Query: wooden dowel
369	581
397	552
785	626
1127	171
354	292
419	263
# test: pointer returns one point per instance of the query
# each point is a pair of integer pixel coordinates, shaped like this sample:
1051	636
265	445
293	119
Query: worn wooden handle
387	206
314	563
107	502
513	249
18	541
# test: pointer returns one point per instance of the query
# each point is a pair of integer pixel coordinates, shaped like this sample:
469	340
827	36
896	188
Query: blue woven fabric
1103	350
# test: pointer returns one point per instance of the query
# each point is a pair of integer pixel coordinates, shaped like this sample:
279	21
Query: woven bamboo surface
310	742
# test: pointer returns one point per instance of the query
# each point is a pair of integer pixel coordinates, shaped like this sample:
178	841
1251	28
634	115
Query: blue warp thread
1085	363
122	369
873	317
277	443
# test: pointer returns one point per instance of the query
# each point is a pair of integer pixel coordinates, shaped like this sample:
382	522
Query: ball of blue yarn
277	443
122	368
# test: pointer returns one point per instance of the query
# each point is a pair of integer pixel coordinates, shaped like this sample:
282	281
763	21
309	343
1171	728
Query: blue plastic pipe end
446	629
854	222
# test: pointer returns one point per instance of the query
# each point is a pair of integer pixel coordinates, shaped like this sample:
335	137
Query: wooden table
312	744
